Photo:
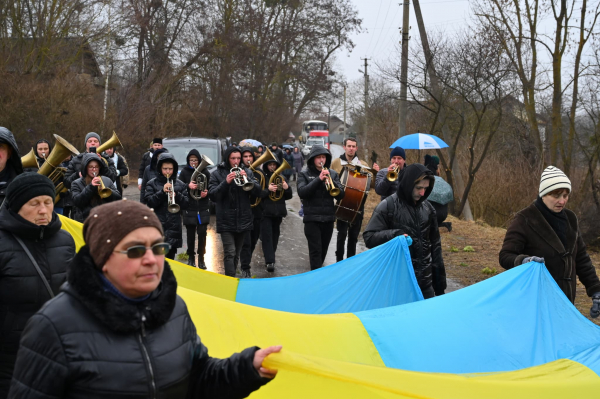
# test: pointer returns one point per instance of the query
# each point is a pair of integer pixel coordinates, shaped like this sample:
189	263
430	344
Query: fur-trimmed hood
84	282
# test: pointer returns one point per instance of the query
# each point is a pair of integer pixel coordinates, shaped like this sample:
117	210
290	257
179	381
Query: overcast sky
382	20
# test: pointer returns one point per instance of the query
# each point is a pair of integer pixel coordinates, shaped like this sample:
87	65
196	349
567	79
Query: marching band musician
75	166
234	213
10	160
120	165
197	217
383	186
150	172
248	158
158	191
319	207
85	190
42	150
157	144
273	214
349	157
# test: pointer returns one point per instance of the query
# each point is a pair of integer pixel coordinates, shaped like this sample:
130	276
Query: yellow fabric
75	229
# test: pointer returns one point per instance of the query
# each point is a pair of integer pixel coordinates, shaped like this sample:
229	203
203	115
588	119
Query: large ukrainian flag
512	336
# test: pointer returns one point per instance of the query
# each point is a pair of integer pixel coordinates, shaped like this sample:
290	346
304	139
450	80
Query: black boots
246	273
270	267
192	260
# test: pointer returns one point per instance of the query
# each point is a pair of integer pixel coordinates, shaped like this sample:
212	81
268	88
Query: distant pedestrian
548	233
298	162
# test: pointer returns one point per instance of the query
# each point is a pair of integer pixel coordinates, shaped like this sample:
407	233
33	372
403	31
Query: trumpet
329	186
172	206
241	180
392	174
103	191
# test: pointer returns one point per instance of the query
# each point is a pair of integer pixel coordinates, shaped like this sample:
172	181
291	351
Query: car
180	147
310	143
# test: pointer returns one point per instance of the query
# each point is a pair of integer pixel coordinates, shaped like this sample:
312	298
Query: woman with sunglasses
84	191
119	329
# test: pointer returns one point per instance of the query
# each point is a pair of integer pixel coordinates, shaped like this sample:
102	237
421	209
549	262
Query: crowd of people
119	292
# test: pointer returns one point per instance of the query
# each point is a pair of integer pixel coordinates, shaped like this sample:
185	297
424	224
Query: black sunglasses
138	251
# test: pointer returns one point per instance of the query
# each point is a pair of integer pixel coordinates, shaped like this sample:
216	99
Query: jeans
192	230
269	235
249	245
318	235
232	246
352	231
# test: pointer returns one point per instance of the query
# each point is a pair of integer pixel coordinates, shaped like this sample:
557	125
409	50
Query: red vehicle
319	135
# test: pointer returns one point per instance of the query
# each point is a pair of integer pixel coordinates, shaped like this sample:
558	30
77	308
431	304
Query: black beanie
157	140
398	151
27	186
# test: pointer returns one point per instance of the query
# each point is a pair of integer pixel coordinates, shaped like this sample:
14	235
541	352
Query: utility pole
366	133
403	106
345	125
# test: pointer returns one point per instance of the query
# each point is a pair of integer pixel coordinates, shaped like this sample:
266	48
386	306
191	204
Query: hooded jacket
85	195
150	173
13	165
272	208
22	292
196	208
257	211
232	203
157	198
91	343
75	166
319	205
399	214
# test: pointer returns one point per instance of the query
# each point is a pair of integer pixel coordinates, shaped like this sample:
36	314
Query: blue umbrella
419	141
249	142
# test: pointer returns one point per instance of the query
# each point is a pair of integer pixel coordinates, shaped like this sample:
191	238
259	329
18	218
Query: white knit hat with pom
553	179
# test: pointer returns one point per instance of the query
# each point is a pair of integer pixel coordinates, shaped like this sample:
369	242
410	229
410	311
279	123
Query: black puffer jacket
275	208
76	164
196	208
156	198
257	211
318	204
232	203
22	291
85	196
383	186
150	173
397	215
90	343
13	165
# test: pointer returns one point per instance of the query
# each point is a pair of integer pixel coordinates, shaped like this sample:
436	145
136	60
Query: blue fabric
377	278
109	287
419	141
517	319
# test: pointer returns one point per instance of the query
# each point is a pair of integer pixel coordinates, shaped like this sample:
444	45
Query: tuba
199	178
30	160
267	156
278	180
51	169
112	142
329	186
172	206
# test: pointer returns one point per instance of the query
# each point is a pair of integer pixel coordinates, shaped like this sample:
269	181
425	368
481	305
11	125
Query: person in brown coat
548	233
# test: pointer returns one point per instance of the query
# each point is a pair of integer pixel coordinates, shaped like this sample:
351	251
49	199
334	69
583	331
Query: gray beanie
92	134
553	179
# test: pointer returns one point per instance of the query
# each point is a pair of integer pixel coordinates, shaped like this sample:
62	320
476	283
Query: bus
309	126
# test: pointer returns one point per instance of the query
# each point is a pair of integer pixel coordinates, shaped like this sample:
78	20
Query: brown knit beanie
108	224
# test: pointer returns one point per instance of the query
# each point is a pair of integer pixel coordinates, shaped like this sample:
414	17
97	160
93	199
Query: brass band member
10	160
157	144
73	172
87	191
383	185
314	188
349	157
273	213
120	165
168	195
197	217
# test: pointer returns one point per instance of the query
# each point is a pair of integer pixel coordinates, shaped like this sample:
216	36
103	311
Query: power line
376	20
384	21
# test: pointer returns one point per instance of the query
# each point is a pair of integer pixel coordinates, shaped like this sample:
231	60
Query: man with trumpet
10	161
167	196
386	182
75	170
318	187
230	188
93	188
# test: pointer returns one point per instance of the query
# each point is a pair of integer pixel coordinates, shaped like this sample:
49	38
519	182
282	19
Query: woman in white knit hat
548	233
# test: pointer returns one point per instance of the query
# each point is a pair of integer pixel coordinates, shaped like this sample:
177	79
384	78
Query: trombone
103	191
329	186
172	206
392	174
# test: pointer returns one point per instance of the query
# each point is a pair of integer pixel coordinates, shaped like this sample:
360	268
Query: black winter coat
529	234
149	173
146	159
232	203
22	291
319	205
85	196
90	343
275	209
196	208
397	215
156	198
76	164
383	186
13	165
120	166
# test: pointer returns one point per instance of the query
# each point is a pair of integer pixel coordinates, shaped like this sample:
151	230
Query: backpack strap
35	264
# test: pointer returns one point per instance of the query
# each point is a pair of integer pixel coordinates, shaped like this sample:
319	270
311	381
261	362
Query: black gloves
595	310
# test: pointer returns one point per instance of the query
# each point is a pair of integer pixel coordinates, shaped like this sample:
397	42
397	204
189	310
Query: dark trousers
192	230
249	245
232	246
428	292
351	231
318	235
269	235
171	254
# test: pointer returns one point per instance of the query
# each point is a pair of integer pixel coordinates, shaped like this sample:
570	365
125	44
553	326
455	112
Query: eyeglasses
139	251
